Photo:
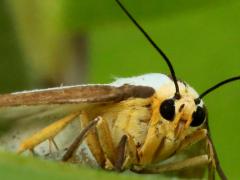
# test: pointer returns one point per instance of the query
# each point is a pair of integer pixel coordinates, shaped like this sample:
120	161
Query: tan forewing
23	113
75	95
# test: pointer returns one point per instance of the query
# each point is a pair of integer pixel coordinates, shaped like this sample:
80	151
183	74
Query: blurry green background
49	43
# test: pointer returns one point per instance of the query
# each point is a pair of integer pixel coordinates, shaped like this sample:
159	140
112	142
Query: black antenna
177	93
197	101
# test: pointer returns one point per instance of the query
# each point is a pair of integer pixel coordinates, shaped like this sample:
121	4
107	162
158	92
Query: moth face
180	116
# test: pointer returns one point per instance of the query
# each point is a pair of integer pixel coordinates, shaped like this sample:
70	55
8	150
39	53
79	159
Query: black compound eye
198	117
167	109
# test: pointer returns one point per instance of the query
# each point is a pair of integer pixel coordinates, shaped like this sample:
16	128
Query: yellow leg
126	153
153	139
47	133
213	164
106	141
79	139
208	159
92	141
118	157
192	139
131	153
196	161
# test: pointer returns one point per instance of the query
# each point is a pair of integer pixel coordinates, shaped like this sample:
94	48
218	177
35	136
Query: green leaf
21	168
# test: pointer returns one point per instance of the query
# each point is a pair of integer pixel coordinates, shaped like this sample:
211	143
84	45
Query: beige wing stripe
78	94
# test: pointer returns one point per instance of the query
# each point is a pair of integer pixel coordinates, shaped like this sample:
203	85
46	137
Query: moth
150	123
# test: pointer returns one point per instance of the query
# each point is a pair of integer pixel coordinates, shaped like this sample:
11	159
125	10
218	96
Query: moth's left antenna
177	93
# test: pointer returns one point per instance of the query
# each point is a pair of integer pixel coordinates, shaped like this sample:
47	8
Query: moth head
177	97
180	115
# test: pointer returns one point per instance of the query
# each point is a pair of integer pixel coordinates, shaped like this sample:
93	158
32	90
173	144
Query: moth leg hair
201	160
93	141
54	144
51	143
47	133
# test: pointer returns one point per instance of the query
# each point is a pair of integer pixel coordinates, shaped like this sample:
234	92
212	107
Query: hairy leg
201	160
131	153
51	143
106	141
192	139
77	142
48	133
196	162
93	141
153	139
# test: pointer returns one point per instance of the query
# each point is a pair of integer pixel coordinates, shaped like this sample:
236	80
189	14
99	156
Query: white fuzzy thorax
154	80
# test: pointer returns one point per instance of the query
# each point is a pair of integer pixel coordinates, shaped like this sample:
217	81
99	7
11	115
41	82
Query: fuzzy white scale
154	80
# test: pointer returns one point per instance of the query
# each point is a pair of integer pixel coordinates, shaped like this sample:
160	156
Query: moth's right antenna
177	93
198	100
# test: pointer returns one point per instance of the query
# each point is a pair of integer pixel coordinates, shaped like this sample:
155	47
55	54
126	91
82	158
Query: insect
145	123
